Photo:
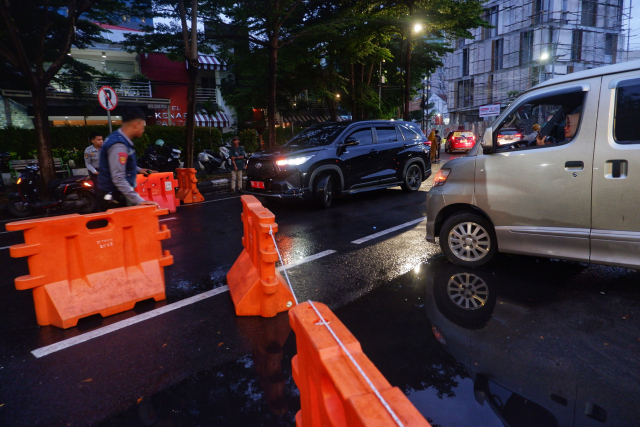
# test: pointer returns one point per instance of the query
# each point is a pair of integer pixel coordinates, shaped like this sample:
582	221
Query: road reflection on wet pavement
524	342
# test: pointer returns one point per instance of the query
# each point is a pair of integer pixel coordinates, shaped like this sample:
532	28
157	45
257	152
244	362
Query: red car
459	140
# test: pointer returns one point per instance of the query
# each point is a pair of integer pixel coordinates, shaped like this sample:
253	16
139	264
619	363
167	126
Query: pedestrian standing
92	157
432	139
237	155
438	143
118	168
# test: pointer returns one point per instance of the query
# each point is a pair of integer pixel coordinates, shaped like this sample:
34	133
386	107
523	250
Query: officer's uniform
92	163
118	170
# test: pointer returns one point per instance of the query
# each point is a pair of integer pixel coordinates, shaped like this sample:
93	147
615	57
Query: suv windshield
316	136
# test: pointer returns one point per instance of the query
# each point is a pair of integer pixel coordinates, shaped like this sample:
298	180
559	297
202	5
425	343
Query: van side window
363	135
544	121
627	112
386	134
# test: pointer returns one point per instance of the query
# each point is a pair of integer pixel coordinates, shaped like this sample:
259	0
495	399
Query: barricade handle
22	250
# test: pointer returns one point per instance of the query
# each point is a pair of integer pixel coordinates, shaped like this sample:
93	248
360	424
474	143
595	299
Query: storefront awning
319	119
219	120
209	62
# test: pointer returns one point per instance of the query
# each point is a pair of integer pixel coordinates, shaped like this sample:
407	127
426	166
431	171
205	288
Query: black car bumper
285	185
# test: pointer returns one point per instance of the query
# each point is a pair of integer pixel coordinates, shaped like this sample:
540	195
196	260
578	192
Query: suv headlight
294	161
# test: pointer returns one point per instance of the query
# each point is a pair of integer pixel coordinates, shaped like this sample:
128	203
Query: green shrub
69	142
282	134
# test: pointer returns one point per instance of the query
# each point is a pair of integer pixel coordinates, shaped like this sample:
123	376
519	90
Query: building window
576	46
589	13
491	16
490	89
610	48
526	47
538	11
465	93
497	50
465	62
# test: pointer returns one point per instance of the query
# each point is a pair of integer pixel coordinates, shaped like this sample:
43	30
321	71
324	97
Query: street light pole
424	87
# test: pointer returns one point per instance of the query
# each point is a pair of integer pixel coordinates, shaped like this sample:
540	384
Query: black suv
342	158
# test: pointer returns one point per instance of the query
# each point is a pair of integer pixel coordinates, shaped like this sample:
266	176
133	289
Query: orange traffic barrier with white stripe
77	269
335	391
159	188
187	189
256	288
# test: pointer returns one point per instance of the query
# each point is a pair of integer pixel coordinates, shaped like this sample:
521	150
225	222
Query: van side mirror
487	142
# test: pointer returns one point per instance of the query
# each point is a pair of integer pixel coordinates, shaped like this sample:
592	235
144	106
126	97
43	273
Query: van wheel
468	240
412	179
324	191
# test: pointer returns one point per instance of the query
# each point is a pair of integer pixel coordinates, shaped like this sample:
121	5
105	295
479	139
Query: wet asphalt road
557	343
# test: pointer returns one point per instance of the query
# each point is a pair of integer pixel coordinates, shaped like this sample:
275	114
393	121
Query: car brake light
517	135
441	177
87	184
427	143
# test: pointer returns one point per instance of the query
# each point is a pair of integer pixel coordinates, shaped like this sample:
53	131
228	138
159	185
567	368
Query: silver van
569	188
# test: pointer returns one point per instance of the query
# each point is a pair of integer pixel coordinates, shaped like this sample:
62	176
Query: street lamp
417	28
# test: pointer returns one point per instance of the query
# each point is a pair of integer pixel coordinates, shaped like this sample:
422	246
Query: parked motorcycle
74	193
172	159
212	162
153	160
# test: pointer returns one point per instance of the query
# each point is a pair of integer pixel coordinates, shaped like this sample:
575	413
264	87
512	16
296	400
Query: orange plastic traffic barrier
333	393
76	271
256	288
187	190
159	188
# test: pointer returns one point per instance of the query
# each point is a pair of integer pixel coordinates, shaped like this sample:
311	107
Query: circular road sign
108	98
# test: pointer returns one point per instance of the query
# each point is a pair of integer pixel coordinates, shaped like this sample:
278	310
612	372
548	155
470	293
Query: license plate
257	184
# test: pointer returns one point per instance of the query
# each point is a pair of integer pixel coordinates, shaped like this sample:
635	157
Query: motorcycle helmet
160	142
536	127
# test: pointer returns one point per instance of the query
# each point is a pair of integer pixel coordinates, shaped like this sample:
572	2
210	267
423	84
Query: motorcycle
75	193
212	162
172	159
157	162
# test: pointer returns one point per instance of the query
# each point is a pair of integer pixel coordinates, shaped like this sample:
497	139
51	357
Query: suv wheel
324	191
468	240
412	179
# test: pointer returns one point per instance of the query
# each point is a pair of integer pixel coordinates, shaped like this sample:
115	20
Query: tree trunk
43	140
191	112
407	79
271	98
331	105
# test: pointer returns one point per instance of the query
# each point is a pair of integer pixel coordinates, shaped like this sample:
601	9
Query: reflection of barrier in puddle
268	336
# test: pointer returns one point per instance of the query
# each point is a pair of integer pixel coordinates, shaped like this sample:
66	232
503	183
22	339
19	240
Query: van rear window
625	121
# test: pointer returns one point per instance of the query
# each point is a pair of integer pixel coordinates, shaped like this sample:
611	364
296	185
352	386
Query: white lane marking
307	259
5	247
389	230
209	201
167	219
43	351
5	232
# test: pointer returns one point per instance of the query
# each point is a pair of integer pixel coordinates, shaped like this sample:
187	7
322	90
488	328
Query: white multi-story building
531	41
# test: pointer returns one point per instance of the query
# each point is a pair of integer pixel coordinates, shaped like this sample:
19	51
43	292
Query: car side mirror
487	142
349	142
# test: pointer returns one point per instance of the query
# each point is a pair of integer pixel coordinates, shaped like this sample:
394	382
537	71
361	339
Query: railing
206	94
122	87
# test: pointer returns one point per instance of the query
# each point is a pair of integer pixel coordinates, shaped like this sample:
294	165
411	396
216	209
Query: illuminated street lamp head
417	28
338	96
544	56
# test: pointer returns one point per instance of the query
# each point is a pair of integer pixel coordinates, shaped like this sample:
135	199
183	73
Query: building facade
530	41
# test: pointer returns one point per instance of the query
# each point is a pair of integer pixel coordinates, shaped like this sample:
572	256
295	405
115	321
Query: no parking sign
108	100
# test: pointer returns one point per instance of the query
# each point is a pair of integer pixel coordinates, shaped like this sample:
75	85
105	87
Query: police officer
118	168
92	157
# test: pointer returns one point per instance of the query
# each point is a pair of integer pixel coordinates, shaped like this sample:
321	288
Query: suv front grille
267	169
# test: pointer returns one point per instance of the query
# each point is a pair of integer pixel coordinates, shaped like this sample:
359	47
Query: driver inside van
570	128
